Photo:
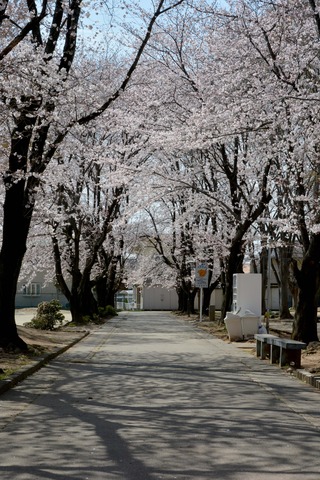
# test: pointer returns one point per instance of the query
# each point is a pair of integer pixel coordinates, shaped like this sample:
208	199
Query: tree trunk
15	231
234	265
82	303
207	295
284	258
181	300
105	292
308	279
109	283
10	265
264	277
305	321
80	297
17	213
186	296
206	300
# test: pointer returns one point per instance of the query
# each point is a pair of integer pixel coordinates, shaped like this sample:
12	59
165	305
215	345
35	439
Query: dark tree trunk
308	279
80	297
284	259
206	299
207	295
181	297
15	231
109	283
17	213
82	303
100	287
305	321
191	297
186	296
105	292
234	265
264	277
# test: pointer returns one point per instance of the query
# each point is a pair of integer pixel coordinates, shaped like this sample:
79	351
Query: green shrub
107	311
48	315
87	319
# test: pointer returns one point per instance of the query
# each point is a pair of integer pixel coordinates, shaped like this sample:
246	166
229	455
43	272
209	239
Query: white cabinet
247	292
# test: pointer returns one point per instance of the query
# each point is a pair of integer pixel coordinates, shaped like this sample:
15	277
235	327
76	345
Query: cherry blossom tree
208	118
38	86
285	36
87	204
252	93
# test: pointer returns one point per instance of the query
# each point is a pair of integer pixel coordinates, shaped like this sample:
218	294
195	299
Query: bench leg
258	348
283	359
262	349
288	356
274	354
265	351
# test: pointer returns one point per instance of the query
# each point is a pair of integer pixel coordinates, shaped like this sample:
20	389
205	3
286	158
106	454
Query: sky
102	27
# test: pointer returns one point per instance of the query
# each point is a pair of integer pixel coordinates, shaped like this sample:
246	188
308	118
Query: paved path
148	397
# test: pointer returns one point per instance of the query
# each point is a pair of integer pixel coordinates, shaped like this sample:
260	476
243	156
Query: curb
309	378
36	365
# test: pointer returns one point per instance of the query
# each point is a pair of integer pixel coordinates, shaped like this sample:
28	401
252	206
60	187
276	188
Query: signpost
201	281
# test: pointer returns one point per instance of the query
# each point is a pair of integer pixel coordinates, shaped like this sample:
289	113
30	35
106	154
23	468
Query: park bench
280	350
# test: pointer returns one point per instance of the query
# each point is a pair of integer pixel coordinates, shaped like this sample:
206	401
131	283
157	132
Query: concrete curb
35	365
309	378
312	379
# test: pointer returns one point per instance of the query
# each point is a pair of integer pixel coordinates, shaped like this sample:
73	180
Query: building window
31	290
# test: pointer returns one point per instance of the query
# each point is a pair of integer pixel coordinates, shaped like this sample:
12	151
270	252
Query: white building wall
216	298
158	298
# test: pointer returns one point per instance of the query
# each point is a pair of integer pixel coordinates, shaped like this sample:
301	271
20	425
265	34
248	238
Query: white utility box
241	325
247	292
233	325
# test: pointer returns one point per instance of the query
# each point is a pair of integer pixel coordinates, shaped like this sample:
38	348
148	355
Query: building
37	291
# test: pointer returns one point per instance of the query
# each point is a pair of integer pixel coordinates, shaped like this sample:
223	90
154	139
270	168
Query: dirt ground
42	342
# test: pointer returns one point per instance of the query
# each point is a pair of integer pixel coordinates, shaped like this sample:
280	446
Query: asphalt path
149	396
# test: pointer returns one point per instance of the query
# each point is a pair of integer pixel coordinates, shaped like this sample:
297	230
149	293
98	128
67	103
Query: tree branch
32	25
91	116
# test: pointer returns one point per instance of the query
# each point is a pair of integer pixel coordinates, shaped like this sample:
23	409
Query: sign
202	275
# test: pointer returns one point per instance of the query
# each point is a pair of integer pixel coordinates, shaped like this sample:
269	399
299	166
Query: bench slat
288	343
263	336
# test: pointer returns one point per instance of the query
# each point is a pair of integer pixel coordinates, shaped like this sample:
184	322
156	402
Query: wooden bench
280	350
